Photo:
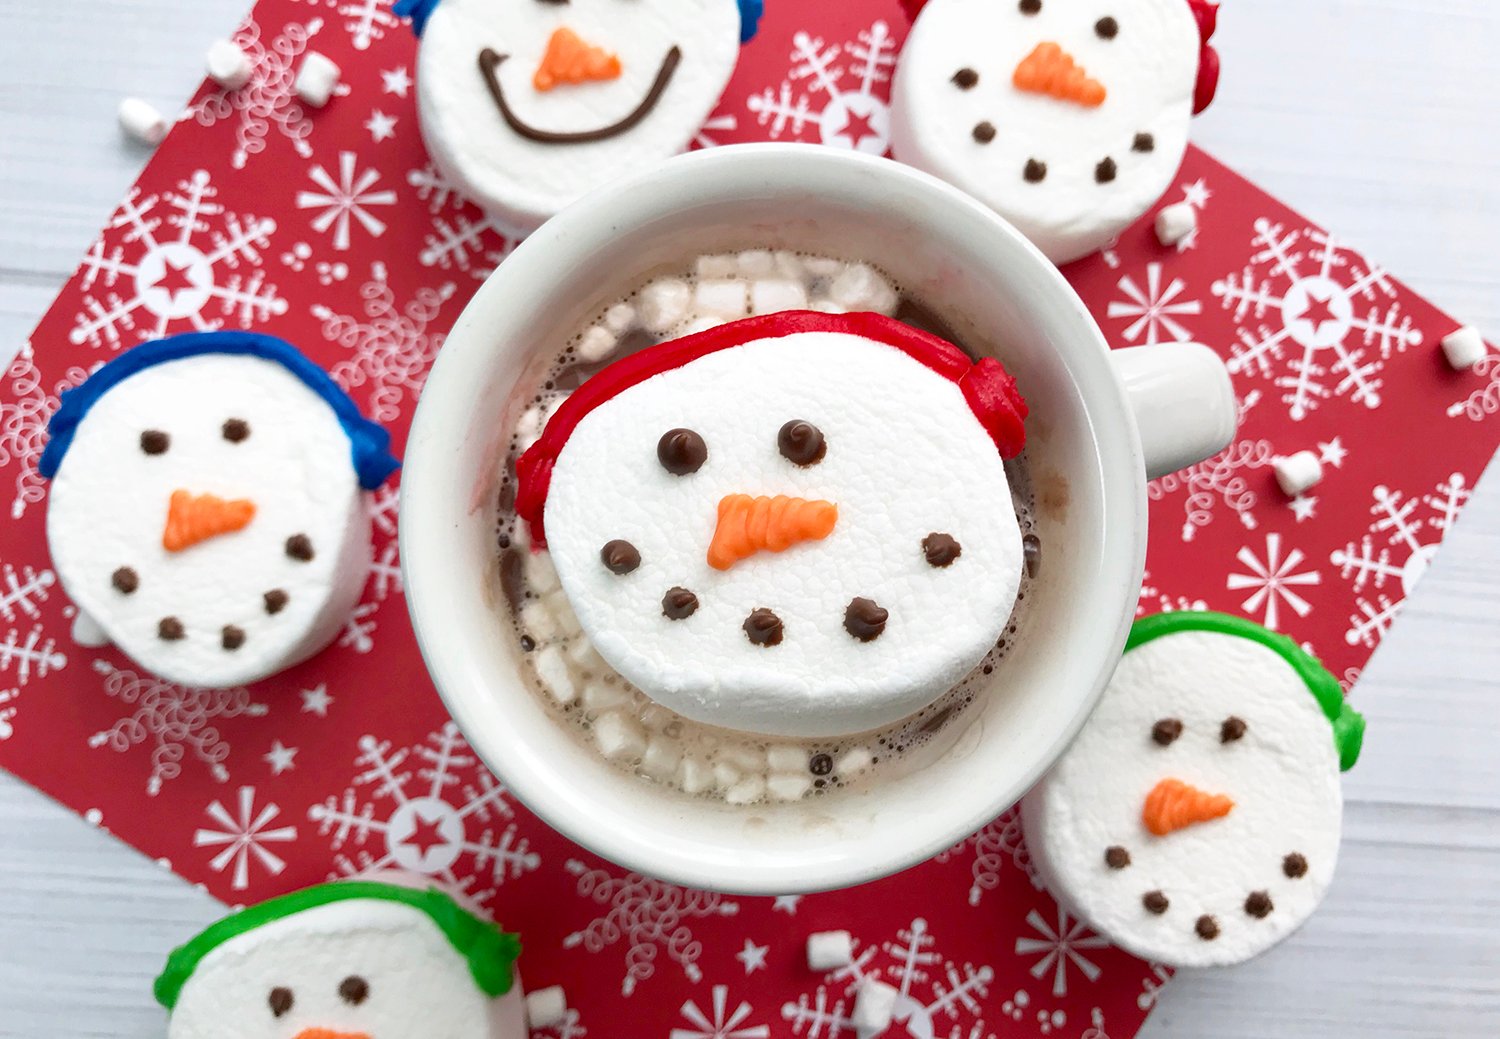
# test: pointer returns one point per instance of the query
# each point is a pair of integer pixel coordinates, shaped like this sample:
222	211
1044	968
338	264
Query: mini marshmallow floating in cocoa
769	525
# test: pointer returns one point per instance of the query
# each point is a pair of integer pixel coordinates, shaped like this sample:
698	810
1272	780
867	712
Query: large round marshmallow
362	967
1257	872
110	499
905	458
523	181
958	72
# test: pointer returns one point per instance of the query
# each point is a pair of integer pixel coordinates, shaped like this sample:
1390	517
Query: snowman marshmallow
797	524
390	958
1195	820
527	104
207	509
1067	117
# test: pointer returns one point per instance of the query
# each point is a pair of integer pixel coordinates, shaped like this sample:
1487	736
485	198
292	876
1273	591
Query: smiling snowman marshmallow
1195	820
207	512
798	524
527	104
1067	117
384	958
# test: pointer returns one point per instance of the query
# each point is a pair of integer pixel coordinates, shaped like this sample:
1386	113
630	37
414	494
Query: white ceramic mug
1100	423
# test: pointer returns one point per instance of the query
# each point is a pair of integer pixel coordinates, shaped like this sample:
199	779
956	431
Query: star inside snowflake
841	89
1272	581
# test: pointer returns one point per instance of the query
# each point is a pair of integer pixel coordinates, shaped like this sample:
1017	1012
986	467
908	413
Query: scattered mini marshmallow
546	1007
663	304
141	121
746	791
620	318
538	621
874	1008
1464	347
757	263
661	759
619	737
717	265
1298	473
785	757
789	265
829	950
694	776
228	65
788	787
555	674
317	79
1176	222
773	295
855	759
721	297
596	344
602	696
861	287
87	632
726	775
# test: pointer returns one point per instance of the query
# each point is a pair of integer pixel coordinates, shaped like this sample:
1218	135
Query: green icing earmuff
490	952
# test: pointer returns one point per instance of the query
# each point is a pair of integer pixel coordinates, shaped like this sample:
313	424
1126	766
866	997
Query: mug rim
731	173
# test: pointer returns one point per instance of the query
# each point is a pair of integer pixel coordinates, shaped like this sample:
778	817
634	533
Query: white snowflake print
786	904
382	127
842	78
21	590
242	837
1057	949
1272	581
570	1027
462	238
395	81
1485	400
1152	985
391	346
432	808
1154	310
8	698
345	201
34	654
996	844
1153	599
364	20
932	990
1195	194
176	720
269	101
1219	480
714	124
1402	557
180	251
720	1021
1315	318
385	507
648	915
23	424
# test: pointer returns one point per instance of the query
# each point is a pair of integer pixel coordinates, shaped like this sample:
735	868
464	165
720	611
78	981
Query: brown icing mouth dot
155	442
276	600
1259	905
299	547
1106	171
619	557
170	629
1116	857
125	580
864	619
1206	928
1166	731
965	79
801	443
941	550
1294	866
679	604
1030	6
681	451
1107	28
1155	902
1035	172
1233	729
232	637
984	132
235	430
1144	142
763	628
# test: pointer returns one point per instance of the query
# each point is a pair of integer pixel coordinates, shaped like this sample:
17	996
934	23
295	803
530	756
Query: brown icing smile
489	64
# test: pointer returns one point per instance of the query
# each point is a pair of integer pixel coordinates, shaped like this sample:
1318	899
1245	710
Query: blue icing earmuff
421	10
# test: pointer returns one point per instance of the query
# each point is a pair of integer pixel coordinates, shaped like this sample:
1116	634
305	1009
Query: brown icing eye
299	547
276	600
1036	171
235	429
619	557
681	451
965	79
1166	730
1105	171
801	443
1107	28
1030	6
155	442
984	132
1232	729
864	619
354	989
279	1000
1116	857
125	580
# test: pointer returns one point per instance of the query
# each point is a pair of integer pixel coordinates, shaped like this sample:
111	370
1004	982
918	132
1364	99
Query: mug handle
1183	402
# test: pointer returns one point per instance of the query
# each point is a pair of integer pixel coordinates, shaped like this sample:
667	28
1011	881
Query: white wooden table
1376	117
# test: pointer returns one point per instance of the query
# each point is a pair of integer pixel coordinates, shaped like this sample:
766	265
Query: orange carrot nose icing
329	1033
192	518
749	525
570	60
1173	804
1052	71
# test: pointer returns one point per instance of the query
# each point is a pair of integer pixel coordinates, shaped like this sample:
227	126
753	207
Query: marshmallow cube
596	344
663	303
694	776
141	121
1298	473
860	287
228	65
555	674
829	950
1176	222
874	1008
546	1007
1464	348
774	295
317	79
746	791
784	787
721	298
717	265
757	263
620	318
597	696
619	737
661	759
